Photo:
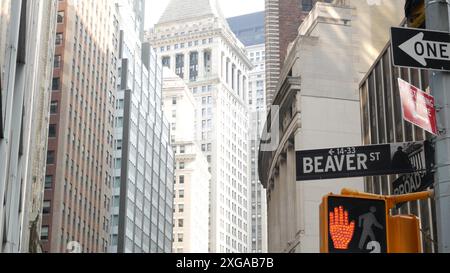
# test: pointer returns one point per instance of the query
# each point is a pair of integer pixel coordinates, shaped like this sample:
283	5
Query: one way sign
420	48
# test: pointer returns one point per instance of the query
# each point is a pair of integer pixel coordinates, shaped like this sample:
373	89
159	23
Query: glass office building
143	158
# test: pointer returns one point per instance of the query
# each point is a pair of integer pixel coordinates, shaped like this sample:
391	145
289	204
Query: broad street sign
421	159
355	225
418	107
359	161
414	182
420	48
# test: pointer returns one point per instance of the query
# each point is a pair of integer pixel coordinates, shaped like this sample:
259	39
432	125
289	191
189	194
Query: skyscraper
26	61
141	220
80	141
194	40
191	205
250	30
283	17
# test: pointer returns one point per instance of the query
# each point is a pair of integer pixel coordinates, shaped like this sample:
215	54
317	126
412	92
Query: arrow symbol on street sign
421	50
331	152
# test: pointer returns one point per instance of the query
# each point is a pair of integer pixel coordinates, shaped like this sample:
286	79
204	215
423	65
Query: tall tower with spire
193	39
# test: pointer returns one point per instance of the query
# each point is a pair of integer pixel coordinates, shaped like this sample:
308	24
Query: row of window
203	89
193	64
183	45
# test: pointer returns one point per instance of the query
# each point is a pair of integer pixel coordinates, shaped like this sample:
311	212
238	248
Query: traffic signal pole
437	18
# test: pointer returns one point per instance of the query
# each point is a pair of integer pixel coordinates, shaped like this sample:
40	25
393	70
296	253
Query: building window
44	233
182	149
120	104
179	65
46	207
57	61
52	130
181	208
181	179
118	163
182	166
48	182
174	100
233	77
119	145
54	107
59	39
180	223
166	62
193	68
119	122
60	17
207	61
239	82
180	237
181	194
50	157
307	5
56	83
227	71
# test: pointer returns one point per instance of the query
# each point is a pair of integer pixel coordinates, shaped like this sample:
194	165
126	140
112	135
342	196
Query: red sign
418	107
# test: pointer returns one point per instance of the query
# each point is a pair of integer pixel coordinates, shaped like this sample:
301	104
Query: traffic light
356	222
353	225
415	13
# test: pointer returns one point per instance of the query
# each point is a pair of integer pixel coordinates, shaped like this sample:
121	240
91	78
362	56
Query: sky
230	8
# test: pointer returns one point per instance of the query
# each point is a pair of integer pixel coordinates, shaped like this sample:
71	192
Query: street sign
418	107
421	159
411	183
359	161
420	48
356	225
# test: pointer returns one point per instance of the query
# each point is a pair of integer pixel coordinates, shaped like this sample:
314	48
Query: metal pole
437	13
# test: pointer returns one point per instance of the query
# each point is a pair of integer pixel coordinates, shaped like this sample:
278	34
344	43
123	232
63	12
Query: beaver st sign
420	48
359	161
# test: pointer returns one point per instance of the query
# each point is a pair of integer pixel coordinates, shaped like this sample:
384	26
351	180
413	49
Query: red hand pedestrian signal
340	229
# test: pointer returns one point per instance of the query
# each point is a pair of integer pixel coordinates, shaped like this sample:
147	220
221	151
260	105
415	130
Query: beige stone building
191	193
319	108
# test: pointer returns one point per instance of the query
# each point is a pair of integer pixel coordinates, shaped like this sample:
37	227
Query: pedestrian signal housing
355	222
